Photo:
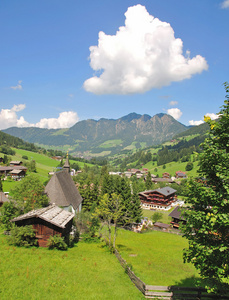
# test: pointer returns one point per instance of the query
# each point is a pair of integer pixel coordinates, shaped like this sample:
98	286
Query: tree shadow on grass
123	247
192	281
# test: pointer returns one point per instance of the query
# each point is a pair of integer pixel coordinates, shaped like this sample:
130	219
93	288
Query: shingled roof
52	214
176	213
62	191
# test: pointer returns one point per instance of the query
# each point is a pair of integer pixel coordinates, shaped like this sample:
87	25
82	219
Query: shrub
57	242
7	212
23	236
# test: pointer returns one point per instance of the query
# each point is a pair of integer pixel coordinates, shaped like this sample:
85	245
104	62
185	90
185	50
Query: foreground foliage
57	242
23	236
29	194
207	228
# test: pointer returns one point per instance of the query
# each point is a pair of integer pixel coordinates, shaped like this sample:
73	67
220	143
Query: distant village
65	200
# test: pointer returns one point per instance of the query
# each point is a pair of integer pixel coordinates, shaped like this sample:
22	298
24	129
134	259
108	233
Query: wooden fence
166	292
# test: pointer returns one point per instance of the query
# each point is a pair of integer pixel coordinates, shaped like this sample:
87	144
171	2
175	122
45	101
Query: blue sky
66	61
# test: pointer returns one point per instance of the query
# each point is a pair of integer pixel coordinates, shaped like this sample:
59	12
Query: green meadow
44	165
87	271
165	215
156	257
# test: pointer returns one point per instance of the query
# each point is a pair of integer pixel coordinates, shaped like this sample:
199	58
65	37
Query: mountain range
105	136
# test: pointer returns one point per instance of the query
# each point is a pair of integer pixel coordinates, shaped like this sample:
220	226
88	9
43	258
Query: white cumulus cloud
211	115
175	113
144	54
18	86
195	123
66	119
225	4
9	118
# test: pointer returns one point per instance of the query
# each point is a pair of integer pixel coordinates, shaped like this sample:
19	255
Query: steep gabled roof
51	214
62	191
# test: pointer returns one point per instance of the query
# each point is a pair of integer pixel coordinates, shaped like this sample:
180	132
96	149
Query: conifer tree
148	182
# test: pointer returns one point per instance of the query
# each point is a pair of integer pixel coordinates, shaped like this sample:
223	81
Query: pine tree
148	182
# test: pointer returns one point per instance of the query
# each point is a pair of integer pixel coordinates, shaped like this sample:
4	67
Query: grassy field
156	257
44	165
165	218
87	271
171	168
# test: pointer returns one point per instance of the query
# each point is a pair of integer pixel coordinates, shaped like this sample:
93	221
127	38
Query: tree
8	211
135	204
156	216
32	166
189	166
148	182
29	194
207	228
110	210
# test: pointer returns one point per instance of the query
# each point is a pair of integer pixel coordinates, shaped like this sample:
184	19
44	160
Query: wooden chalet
17	174
166	180
177	217
5	170
165	175
47	221
180	174
63	192
15	163
3	198
160	199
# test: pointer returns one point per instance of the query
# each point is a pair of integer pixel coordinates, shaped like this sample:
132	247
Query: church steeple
66	165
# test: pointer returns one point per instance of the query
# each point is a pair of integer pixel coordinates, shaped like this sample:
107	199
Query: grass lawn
156	257
165	218
87	271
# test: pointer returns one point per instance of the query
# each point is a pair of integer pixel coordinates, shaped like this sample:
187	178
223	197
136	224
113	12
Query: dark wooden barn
177	217
47	221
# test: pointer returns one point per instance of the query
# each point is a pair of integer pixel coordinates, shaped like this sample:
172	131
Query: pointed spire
66	165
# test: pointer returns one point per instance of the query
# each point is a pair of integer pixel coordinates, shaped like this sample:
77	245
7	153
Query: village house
166	180
165	175
159	199
15	163
62	191
177	217
180	174
47	221
17	174
5	171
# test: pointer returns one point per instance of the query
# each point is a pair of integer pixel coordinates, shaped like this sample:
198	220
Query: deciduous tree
29	194
207	228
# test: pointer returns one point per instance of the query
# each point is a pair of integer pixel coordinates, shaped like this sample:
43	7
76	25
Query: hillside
105	136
